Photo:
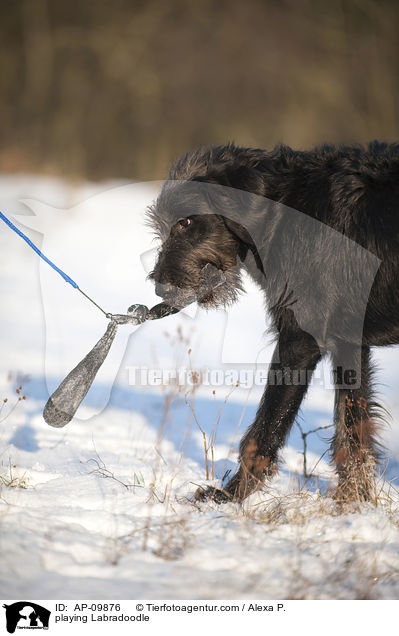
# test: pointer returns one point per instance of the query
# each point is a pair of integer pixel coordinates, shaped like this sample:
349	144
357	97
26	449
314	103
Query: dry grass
8	405
11	480
97	467
8	477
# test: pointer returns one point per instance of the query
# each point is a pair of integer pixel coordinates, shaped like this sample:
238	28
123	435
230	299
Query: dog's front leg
294	360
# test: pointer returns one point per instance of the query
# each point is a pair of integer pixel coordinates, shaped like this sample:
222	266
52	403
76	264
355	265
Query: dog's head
201	218
192	218
195	241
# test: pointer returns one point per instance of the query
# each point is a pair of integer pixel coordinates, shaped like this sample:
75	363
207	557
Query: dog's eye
185	222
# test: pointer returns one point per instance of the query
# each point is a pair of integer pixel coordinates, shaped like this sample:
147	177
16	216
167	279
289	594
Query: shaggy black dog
318	231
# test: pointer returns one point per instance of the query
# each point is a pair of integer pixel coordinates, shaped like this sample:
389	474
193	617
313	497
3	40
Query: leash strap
36	249
66	278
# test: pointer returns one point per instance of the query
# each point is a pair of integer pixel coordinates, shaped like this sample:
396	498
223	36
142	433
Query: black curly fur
323	274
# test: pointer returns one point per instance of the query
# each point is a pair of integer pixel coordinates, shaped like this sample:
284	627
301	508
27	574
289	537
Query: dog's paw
211	493
240	486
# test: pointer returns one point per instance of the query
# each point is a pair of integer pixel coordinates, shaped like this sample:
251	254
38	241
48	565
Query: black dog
319	232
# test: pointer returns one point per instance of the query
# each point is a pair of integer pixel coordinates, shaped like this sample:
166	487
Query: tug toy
64	402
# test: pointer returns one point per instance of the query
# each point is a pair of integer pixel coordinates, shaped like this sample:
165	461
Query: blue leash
67	278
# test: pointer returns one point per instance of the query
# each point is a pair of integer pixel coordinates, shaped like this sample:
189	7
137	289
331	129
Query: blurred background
120	88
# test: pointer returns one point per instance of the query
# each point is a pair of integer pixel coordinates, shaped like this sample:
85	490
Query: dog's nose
163	289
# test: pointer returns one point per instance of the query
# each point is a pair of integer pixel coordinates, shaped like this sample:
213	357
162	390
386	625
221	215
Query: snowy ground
102	508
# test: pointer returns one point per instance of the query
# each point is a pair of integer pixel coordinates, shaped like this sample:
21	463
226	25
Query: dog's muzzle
211	278
165	289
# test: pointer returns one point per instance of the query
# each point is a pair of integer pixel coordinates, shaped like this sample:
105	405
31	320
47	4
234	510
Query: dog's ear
247	243
245	180
238	230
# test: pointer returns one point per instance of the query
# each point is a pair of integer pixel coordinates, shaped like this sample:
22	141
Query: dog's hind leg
294	361
353	446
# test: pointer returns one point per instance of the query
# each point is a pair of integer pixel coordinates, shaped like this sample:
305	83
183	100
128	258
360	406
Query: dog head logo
26	615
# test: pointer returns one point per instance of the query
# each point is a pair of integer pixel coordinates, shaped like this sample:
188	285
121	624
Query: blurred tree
119	89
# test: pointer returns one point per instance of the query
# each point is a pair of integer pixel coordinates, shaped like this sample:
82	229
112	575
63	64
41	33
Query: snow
104	507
